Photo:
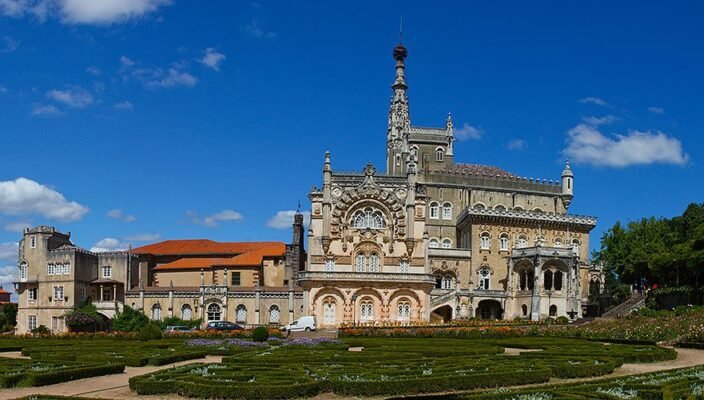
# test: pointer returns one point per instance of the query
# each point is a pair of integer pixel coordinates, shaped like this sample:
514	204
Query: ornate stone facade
432	239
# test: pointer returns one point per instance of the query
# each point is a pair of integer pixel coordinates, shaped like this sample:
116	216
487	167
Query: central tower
399	118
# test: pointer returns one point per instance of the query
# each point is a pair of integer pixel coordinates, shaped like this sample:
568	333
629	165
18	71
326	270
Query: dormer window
439	154
368	218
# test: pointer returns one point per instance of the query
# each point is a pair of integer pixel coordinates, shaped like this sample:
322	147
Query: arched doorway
489	309
329	311
443	313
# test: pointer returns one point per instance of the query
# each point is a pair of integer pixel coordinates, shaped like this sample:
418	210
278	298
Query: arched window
547	280
484	278
484	241
558	242
213	312
156	312
368	218
523	280
558	280
374	263
186	313
433	244
446	244
241	313
524	310
360	262
518	208
480	206
553	310
447	211
274	314
23	270
366	310
575	246
538	210
329	310
439	154
404	310
404	267
522	241
500	208
527	280
503	242
434	210
447	282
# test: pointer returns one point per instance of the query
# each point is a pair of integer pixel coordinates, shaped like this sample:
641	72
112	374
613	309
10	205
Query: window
366	310
236	278
67	269
433	244
447	211
575	246
374	263
547	280
446	244
434	210
23	270
274	314
32	322
526	280
83	292
522	240
398	159
360	263
484	278
329	265
32	294
107	271
447	282
558	242
524	310
186	312
58	293
33	243
484	241
439	154
553	310
403	267
503	242
558	280
107	295
156	312
404	310
368	218
241	313
329	311
213	312
50	269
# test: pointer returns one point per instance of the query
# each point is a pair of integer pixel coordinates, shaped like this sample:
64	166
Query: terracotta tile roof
3	291
478	169
253	254
201	246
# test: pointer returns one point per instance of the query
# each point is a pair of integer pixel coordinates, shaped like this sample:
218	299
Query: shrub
151	331
562	320
260	334
176	321
129	320
41	330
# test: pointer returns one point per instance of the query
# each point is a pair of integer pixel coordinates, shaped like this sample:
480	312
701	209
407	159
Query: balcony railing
365	277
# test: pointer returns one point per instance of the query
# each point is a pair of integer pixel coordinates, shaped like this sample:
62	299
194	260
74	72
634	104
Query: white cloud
88	12
108	244
155	77
175	77
143	237
594	100
284	219
74	96
46	110
17	227
585	144
9	251
212	58
116	213
123	106
93	70
656	110
467	132
24	196
214	220
255	30
9	44
596	121
9	274
516	144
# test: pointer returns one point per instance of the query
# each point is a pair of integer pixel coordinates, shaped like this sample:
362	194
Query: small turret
567	185
450	135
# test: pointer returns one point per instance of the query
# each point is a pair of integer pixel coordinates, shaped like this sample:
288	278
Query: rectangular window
50	269
33	242
67	269
58	293
32	322
83	292
107	271
236	279
32	294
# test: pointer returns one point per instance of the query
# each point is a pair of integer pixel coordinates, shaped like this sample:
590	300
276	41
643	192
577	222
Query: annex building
429	239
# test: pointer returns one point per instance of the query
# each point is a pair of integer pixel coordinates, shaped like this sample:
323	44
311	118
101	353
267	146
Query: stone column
114	292
290	306
141	298
535	301
257	295
101	292
171	300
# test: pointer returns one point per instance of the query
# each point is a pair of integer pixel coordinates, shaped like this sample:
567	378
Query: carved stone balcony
365	277
109	308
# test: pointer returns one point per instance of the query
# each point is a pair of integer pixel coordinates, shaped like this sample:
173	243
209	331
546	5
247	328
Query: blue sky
142	120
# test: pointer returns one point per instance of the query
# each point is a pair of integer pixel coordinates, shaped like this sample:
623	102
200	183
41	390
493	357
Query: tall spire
399	116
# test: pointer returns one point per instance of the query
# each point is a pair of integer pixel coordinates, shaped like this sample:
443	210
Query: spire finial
400	31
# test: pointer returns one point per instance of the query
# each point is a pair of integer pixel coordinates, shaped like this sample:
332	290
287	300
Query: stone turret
567	185
399	117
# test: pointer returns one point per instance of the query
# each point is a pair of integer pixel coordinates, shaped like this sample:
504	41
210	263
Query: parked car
224	326
306	323
177	329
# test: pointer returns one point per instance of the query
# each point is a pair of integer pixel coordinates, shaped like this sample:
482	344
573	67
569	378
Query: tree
129	320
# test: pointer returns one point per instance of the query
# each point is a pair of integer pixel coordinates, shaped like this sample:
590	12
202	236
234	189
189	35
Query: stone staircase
326	333
625	308
437	300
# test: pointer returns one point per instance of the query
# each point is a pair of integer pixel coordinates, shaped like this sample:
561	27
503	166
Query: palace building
429	239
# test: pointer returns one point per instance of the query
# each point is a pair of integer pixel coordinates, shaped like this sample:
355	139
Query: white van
301	324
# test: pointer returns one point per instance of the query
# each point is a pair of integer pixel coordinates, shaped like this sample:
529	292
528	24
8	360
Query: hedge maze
393	366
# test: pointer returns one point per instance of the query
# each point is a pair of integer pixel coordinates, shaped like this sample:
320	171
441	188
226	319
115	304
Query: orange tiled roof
250	254
201	246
